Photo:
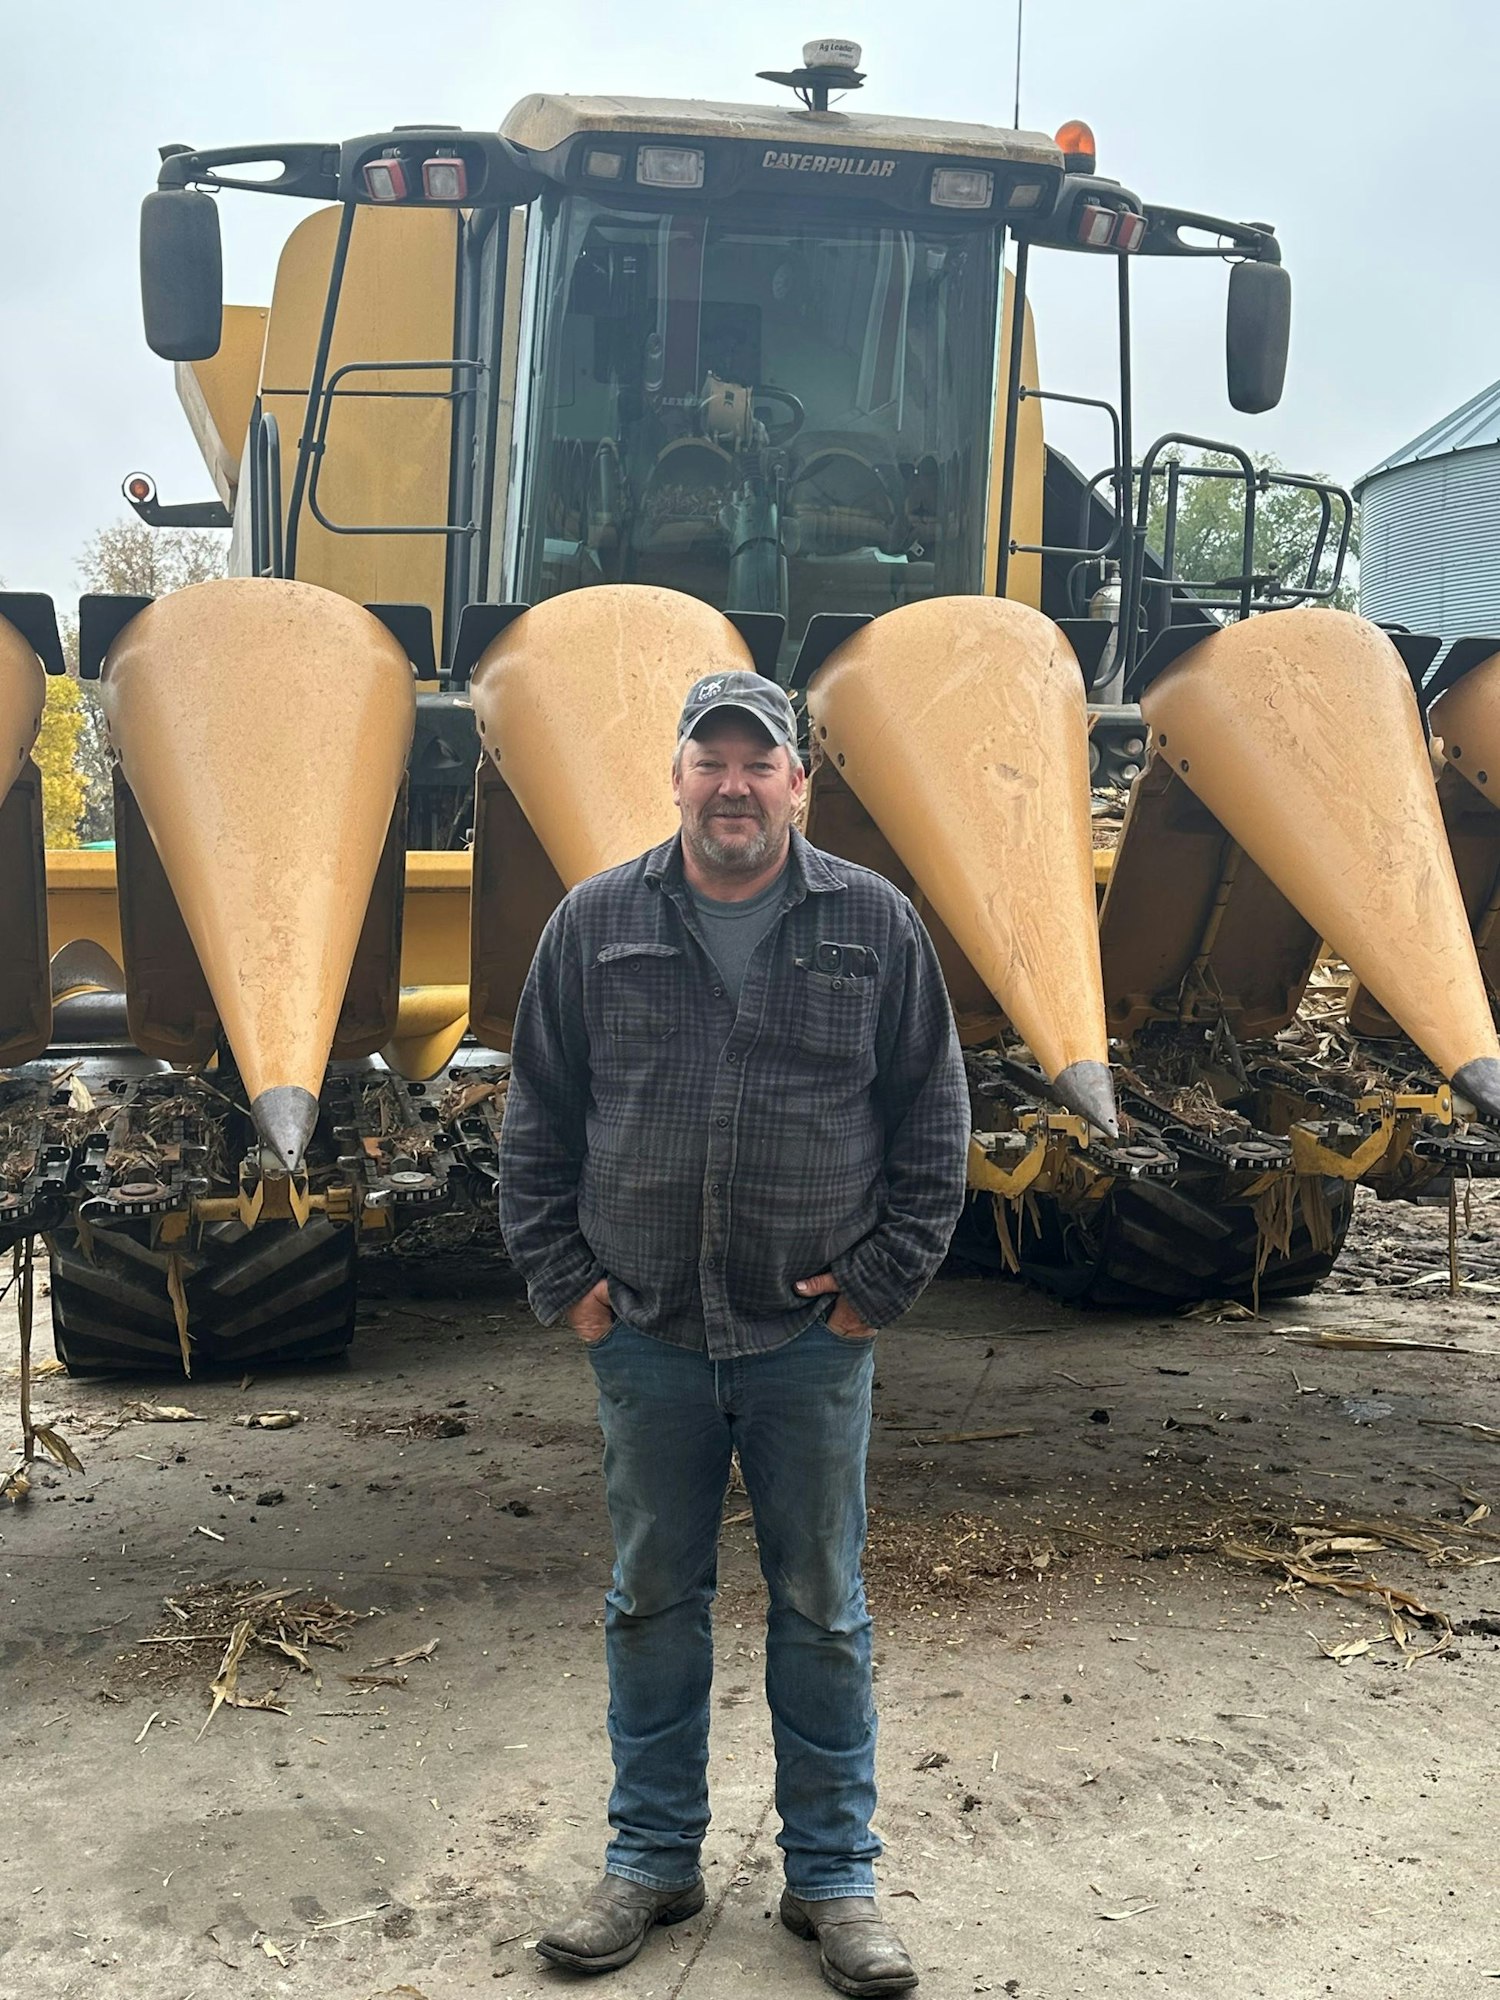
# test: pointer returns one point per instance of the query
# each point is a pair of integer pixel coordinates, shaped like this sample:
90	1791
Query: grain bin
1430	527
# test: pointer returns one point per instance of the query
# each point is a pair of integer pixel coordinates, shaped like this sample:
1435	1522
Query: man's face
737	792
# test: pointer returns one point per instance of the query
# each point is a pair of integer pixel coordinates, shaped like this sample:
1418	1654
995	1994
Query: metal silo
1430	527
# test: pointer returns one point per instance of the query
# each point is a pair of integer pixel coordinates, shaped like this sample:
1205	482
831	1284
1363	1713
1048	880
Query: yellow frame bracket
1052	1135
1396	1111
1311	1156
1010	1181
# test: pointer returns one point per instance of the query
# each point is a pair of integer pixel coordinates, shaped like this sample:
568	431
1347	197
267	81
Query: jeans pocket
593	1346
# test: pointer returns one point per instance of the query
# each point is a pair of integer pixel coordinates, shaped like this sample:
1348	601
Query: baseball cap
752	694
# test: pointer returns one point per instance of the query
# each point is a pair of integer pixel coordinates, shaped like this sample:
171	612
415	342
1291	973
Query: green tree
56	756
1211	527
128	559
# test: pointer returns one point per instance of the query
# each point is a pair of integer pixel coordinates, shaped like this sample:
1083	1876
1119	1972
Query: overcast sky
1361	128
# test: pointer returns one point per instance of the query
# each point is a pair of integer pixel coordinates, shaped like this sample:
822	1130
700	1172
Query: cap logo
708	690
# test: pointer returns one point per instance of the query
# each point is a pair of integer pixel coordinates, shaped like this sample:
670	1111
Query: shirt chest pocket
637	991
834	1017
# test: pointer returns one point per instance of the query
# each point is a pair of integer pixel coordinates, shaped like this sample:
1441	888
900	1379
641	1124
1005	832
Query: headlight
669	167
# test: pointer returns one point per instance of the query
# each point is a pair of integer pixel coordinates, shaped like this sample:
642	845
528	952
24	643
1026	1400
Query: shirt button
733	1055
723	1118
716	1187
718	992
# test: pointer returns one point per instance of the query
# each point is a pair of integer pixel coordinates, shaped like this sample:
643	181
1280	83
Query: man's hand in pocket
592	1316
842	1318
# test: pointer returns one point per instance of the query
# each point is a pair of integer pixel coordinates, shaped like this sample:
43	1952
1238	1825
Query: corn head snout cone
263	727
577	705
961	726
23	696
1300	733
1466	723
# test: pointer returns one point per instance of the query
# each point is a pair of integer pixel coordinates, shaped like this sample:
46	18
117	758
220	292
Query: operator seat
677	535
843	496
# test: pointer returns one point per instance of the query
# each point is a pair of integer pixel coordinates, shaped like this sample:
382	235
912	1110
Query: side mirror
1257	334
182	274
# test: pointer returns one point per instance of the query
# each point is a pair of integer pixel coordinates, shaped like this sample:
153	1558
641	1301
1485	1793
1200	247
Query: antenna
1020	16
828	65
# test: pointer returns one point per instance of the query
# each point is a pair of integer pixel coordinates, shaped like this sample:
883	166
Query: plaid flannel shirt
703	1157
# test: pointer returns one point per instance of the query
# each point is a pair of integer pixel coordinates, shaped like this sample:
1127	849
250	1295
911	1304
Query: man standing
733	1148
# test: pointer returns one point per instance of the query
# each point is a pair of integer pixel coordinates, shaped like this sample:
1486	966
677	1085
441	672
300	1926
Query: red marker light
444	178
1095	226
1130	232
385	178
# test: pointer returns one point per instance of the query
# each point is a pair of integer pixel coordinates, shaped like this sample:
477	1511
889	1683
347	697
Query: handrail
267	541
452	364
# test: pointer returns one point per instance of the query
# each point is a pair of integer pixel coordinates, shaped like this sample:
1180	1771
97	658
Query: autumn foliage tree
128	559
55	753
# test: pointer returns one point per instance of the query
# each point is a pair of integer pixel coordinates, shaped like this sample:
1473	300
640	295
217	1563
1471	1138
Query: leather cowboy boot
613	1921
859	1953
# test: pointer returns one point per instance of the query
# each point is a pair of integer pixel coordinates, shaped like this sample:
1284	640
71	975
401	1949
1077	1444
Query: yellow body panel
82	905
1300	733
577	704
1024	580
961	726
218	395
387	461
262	729
1190	927
434	1004
429	1029
435	939
25	998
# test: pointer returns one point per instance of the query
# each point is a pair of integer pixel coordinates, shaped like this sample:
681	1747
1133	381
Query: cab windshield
771	414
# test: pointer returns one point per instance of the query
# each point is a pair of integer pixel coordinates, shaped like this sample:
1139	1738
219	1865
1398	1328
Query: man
734	1147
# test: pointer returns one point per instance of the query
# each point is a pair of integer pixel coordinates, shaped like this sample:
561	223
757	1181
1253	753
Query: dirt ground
1116	1755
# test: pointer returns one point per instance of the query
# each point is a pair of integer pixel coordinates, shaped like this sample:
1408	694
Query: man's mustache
736	812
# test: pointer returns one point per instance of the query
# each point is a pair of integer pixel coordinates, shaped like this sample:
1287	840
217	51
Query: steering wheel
796	416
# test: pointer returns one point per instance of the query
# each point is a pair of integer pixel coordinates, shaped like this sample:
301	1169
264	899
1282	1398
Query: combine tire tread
272	1294
1158	1248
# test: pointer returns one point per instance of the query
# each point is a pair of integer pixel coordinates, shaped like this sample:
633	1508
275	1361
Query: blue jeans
800	1420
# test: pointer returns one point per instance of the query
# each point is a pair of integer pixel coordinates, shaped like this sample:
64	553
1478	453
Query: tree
128	559
138	561
56	756
1211	527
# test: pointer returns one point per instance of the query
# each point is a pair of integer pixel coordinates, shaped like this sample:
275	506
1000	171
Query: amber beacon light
1075	141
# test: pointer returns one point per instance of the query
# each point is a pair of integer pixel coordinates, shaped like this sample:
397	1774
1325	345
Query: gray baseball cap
752	694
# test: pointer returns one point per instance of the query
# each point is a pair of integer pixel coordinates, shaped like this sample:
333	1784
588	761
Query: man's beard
735	857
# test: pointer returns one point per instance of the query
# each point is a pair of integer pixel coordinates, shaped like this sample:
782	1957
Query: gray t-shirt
733	930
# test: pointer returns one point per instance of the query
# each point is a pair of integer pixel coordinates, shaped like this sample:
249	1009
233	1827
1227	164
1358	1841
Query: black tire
271	1294
1160	1246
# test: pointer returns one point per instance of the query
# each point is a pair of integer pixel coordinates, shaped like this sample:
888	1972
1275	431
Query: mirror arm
309	170
1255	241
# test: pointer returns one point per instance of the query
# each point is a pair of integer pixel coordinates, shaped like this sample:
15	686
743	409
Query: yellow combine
538	428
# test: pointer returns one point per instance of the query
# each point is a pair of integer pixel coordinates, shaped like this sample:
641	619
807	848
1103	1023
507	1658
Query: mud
1116	1755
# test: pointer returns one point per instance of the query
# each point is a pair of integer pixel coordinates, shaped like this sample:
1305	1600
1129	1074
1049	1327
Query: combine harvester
538	428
